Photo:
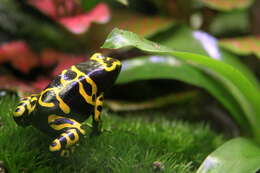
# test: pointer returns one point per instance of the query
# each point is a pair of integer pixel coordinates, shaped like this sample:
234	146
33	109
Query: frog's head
108	71
24	108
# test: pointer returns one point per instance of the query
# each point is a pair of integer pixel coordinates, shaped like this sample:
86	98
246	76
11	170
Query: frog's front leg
70	130
97	122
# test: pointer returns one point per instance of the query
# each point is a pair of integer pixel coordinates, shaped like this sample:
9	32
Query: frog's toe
55	146
65	153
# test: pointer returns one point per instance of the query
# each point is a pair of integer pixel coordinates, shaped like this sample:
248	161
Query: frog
74	95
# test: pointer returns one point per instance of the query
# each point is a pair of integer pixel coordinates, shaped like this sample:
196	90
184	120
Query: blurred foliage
215	47
19	21
230	23
227	5
89	4
243	45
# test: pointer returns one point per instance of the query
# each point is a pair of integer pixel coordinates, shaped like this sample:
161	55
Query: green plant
227	84
131	144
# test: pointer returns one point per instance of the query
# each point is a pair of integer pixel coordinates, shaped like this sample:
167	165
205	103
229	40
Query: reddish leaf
41	83
71	15
226	5
142	25
243	46
14	84
45	6
50	57
80	23
66	64
19	55
22	58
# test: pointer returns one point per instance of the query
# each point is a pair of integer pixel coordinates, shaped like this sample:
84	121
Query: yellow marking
45	104
52	118
20	112
30	108
26	105
103	63
71	142
65	153
57	147
87	98
83	93
34	99
65	135
64	82
98	103
63	106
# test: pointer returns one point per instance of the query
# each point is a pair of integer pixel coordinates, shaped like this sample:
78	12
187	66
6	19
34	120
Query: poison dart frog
69	100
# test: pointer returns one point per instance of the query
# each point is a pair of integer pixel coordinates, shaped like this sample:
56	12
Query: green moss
131	145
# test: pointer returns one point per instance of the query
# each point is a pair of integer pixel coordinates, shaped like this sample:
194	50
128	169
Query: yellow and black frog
69	100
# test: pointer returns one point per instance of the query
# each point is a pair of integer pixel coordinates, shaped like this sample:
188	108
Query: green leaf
201	43
178	38
240	89
238	155
168	67
125	2
89	4
163	67
227	5
243	45
145	26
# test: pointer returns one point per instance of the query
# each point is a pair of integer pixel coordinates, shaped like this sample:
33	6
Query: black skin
70	99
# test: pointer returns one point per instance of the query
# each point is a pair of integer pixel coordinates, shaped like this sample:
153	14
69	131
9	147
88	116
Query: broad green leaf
238	155
243	45
168	67
178	37
231	59
238	86
201	43
226	5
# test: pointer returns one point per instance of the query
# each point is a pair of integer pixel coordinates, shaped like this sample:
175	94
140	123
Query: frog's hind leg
97	122
70	132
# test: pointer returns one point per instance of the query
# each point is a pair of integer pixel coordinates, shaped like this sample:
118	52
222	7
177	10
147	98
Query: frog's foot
67	152
97	128
70	130
96	131
96	118
64	144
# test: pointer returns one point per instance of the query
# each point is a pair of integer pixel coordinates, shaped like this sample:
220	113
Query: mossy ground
131	145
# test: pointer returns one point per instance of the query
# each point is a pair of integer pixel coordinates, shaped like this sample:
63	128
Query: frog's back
71	93
75	90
